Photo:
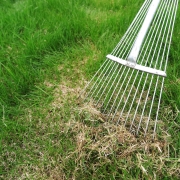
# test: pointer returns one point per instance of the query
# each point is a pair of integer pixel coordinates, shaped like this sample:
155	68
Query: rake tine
119	46
115	51
135	80
150	107
105	82
93	78
123	93
173	18
131	89
114	89
110	77
108	70
119	91
105	86
162	84
102	72
113	83
157	112
146	81
151	79
131	27
158	76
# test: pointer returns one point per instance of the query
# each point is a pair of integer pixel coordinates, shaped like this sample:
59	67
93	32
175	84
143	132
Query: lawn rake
128	86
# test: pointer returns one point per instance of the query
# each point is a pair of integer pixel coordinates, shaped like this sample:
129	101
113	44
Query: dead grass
90	142
94	135
97	142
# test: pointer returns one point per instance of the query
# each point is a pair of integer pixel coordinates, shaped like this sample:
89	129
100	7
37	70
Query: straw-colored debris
98	139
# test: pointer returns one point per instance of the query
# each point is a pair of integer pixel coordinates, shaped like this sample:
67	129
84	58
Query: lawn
49	50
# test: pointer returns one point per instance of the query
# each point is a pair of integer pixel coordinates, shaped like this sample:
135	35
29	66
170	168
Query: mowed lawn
49	50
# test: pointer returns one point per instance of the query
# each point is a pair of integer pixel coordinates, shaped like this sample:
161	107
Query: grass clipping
98	142
106	138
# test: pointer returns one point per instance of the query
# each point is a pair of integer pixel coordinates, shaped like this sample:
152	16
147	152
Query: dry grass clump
98	143
108	140
107	134
36	172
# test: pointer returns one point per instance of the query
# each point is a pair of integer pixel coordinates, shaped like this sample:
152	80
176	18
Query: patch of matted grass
66	138
52	134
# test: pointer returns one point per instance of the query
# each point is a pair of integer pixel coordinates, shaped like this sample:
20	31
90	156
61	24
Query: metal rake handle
143	31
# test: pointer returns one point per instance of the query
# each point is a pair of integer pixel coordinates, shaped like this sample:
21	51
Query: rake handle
143	31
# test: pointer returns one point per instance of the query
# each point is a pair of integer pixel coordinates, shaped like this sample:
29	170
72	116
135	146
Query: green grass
48	50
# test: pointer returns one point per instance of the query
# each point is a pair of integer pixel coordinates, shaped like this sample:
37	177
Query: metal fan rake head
128	86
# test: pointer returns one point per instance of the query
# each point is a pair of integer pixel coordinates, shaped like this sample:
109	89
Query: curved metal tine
104	89
147	75
121	74
157	112
114	70
112	53
92	78
120	44
107	83
134	80
99	77
115	51
132	83
113	83
171	24
124	91
159	39
168	18
138	82
106	74
104	70
124	68
152	102
131	27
